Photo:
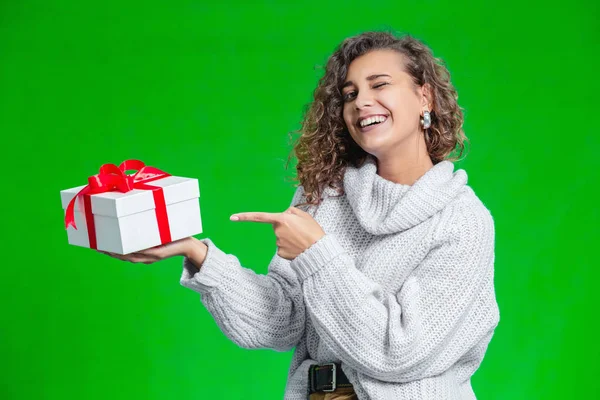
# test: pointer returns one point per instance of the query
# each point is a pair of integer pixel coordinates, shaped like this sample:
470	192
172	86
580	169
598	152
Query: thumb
297	211
293	210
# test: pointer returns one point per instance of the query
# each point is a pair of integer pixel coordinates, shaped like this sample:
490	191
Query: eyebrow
369	78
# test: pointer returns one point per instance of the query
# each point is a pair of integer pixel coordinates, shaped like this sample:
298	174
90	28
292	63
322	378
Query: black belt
326	378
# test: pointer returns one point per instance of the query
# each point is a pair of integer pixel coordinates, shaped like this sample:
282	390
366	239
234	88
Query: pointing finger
264	217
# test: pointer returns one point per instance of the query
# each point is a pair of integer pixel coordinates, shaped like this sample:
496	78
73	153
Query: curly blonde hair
325	148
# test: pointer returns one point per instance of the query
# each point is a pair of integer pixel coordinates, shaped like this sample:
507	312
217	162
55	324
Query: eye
349	95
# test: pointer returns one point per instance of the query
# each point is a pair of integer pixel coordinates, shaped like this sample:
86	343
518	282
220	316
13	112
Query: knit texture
400	290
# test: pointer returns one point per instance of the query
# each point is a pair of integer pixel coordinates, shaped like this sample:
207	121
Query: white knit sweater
400	290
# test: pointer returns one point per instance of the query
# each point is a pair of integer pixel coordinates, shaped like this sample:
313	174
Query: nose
363	99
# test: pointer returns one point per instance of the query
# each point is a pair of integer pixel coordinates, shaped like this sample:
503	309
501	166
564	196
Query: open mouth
371	123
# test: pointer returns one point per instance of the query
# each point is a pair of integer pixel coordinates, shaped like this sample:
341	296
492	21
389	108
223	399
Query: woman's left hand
181	247
296	230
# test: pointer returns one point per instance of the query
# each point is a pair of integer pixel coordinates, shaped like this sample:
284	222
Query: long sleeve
253	310
444	309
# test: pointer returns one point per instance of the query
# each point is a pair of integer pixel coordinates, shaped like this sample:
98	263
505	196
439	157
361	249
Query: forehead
376	62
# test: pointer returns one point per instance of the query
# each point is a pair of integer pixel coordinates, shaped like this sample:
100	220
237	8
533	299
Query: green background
211	91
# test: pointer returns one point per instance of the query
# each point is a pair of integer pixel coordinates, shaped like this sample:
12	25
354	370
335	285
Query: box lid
117	204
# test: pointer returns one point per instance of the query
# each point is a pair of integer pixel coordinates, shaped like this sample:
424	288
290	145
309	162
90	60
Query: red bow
111	179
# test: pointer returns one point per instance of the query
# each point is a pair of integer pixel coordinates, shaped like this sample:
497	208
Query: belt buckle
333	378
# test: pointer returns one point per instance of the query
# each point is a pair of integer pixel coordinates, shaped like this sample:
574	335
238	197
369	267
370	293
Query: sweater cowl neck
384	207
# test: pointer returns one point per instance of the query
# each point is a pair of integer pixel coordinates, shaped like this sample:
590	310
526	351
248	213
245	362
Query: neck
406	163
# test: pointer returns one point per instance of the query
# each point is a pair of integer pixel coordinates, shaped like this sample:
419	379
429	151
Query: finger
113	255
131	257
264	217
140	258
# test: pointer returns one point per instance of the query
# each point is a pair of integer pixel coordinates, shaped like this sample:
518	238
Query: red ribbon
111	179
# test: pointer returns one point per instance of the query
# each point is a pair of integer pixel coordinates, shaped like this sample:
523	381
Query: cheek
402	110
400	101
346	115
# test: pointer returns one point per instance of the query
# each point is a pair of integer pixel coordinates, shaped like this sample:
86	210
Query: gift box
124	213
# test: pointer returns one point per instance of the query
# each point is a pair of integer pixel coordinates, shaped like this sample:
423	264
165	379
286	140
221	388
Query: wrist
196	252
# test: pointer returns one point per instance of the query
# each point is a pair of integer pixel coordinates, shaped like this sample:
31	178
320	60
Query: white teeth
370	120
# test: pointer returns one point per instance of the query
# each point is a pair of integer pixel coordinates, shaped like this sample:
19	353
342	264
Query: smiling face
382	106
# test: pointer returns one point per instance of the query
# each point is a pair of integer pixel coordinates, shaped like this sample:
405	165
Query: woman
385	282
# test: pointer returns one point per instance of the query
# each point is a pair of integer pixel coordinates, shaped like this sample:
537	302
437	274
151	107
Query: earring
426	120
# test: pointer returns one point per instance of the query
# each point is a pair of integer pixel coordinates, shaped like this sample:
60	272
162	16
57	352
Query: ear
426	97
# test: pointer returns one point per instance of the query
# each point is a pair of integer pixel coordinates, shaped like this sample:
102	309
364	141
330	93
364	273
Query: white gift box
127	222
